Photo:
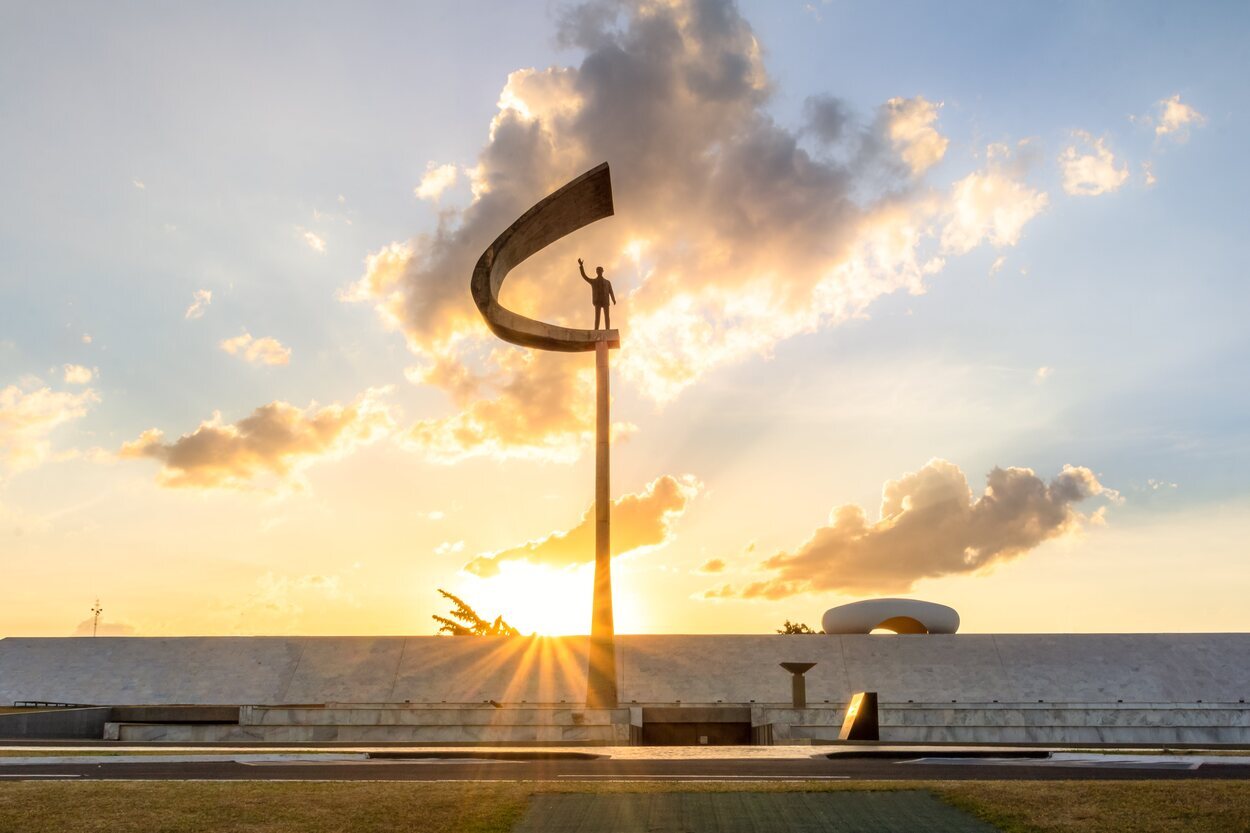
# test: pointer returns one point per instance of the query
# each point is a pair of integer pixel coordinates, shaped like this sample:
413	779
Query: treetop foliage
795	627
465	621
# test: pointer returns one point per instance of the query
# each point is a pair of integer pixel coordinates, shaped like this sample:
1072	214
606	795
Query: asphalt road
608	769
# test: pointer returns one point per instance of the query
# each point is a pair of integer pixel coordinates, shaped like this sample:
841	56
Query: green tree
464	621
795	627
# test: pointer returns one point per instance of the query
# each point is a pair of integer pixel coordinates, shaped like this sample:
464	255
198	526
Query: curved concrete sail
579	203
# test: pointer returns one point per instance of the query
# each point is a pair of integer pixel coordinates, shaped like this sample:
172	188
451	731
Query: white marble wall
657	670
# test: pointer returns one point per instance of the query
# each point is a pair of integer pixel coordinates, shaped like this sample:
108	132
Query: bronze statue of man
600	292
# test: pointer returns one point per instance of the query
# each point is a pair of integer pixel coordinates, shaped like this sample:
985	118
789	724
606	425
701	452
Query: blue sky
153	152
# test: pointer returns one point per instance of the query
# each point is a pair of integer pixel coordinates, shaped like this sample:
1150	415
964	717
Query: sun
535	598
548	601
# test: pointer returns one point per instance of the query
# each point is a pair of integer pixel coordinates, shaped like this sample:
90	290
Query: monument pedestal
601	677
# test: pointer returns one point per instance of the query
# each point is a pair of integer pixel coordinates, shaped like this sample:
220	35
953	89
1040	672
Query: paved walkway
839	812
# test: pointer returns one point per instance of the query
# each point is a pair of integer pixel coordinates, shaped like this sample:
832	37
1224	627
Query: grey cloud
828	118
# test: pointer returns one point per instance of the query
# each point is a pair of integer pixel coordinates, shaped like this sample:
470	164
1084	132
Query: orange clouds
264	350
1175	117
639	520
437	179
910	128
930	526
543	409
76	374
277	440
1093	172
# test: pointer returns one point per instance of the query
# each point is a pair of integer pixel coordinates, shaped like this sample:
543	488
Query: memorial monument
925	683
579	203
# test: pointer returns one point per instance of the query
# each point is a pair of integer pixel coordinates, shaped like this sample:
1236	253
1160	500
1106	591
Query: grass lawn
413	807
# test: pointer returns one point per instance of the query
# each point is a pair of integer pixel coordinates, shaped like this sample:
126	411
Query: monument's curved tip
579	203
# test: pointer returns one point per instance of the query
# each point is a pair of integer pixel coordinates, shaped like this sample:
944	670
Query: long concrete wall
1016	668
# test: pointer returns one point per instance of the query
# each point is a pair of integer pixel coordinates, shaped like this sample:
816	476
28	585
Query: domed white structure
898	615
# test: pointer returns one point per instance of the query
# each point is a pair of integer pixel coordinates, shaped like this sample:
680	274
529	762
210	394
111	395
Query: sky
936	301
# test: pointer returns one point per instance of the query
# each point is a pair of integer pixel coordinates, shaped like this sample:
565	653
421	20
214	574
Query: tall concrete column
601	672
579	203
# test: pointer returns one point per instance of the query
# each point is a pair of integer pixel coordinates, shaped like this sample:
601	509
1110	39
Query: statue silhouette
600	292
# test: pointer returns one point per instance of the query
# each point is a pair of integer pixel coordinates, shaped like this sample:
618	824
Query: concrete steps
1154	723
1059	723
450	724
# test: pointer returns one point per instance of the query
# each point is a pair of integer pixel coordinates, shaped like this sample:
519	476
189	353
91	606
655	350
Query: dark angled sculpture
577	204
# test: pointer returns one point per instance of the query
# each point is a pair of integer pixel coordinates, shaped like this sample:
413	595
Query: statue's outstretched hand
579	261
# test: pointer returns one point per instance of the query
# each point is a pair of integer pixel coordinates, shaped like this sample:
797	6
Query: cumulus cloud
540	410
437	179
29	414
199	303
76	374
909	124
313	240
992	205
1148	174
1175	118
449	547
278	440
930	525
639	520
725	591
265	350
1089	167
383	279
713	565
753	232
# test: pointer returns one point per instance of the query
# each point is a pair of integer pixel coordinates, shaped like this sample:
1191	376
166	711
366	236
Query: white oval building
898	615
